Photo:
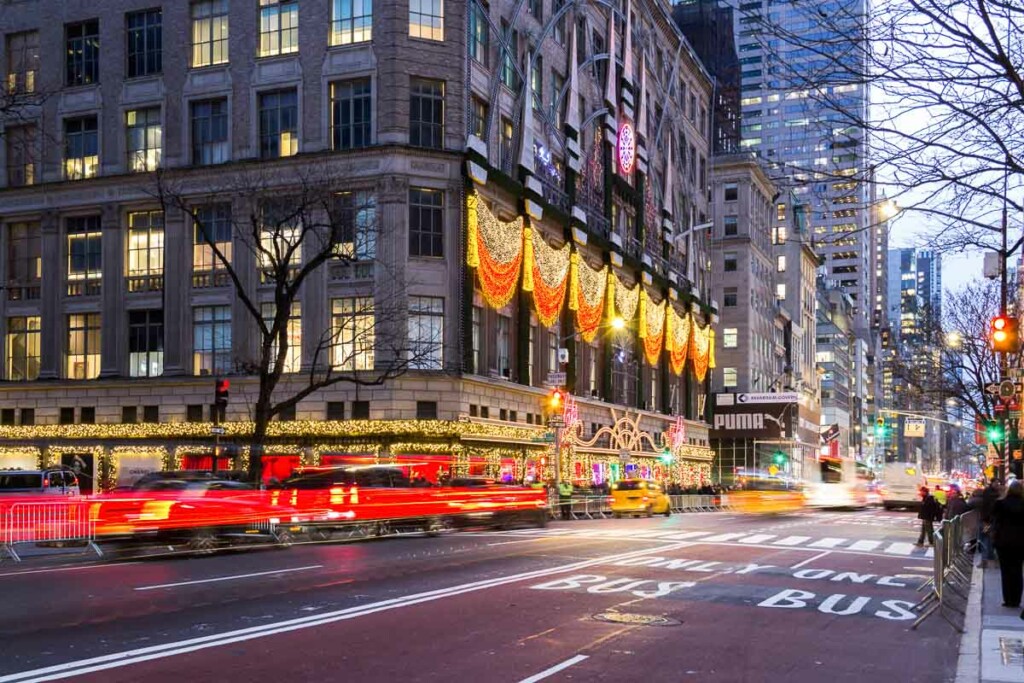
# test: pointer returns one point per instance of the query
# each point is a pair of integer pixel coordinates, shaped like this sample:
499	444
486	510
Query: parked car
56	481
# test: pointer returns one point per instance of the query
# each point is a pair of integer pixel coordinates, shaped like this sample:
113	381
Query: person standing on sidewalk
1008	520
929	512
565	498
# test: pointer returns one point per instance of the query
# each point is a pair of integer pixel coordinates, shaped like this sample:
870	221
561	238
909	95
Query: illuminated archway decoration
495	250
588	296
652	327
550	268
677	339
700	350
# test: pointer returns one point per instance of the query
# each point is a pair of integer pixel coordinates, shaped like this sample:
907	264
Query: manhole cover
635	619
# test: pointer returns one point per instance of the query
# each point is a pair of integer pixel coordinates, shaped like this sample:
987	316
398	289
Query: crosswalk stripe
930	552
827	543
723	537
792	540
900	548
684	536
865	545
756	538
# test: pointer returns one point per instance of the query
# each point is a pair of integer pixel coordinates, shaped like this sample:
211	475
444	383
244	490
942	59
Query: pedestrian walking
1008	521
929	512
955	504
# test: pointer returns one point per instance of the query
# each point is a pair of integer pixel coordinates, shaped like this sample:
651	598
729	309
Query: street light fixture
954	340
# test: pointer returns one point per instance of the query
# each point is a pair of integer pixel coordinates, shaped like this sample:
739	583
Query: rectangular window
292	332
67	416
426	222
477	117
507	142
145	139
279	124
351	21
426	410
730	225
22	62
531	355
559	32
279	27
536	8
212	228
211	340
23	344
356	226
730	338
336	410
729	262
145	251
24	261
210	132
537	83
730	296
426	113
554	339
509	78
557	84
28	416
779	235
81	148
504	345
83	346
426	19
88	415
360	410
146	343
479	33
351	109
780	291
426	332
21	155
780	263
477	334
729	377
280	247
145	37
353	333
209	33
85	255
194	412
82	65
151	414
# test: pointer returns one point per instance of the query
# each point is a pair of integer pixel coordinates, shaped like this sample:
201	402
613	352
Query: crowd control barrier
65	521
950	582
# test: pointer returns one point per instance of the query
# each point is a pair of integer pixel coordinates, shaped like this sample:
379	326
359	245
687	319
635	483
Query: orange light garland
654	317
678	341
550	277
590	295
495	250
700	350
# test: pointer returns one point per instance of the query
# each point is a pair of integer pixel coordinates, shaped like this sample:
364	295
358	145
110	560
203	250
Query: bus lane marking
218	579
811	559
551	671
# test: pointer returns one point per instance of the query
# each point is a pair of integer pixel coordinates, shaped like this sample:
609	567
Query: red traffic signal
221	391
1004	334
555	399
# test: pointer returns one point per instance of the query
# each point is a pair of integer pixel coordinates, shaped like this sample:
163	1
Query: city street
811	596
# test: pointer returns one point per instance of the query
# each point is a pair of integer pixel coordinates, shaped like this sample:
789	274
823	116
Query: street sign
1007	389
544	438
768	397
913	427
219	431
992	388
556	421
624	455
556	379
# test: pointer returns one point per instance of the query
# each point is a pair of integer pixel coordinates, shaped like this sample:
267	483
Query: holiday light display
677	339
700	350
654	328
496	252
590	296
550	277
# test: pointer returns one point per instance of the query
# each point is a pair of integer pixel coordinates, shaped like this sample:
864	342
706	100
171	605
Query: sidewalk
992	646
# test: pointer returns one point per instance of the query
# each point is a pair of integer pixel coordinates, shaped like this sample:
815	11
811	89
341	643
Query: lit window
780	291
21	155
23	348
503	345
212	228
537	82
146	343
144	34
279	124
209	33
352	333
506	149
351	107
81	148
477	117
426	19
356	226
82	346
729	377
509	77
82	53
211	340
293	335
279	27
210	132
780	263
145	251
351	21
280	248
730	338
426	332
779	235
426	113
145	139
22	62
478	316
479	33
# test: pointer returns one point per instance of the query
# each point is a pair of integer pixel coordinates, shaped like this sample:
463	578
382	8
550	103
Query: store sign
625	148
746	421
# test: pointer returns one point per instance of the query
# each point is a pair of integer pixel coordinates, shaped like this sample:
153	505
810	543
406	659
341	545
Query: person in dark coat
929	512
1008	523
955	505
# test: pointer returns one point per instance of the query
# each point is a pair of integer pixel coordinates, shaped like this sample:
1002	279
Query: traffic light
779	458
1004	335
220	398
881	429
666	454
555	400
993	431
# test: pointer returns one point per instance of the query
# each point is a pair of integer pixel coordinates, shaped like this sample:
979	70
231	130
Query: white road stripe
756	538
555	669
899	549
68	569
139	655
792	540
228	578
810	559
827	543
930	552
718	538
684	536
865	545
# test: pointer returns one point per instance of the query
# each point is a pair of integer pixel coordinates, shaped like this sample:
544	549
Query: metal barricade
951	569
58	522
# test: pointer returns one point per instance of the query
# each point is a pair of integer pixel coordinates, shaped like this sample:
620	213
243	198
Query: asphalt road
813	596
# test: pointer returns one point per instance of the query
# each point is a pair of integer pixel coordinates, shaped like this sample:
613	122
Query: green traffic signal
779	458
666	454
994	432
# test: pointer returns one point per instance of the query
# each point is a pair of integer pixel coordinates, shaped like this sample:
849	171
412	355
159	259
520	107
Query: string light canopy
495	250
550	268
678	339
700	350
654	333
589	299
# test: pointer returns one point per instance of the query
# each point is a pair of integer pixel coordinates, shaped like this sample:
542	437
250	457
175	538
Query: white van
901	483
53	482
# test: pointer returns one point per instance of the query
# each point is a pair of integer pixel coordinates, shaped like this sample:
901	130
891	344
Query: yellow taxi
639	496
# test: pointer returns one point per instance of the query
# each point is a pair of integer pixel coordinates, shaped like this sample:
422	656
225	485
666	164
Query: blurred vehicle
192	485
146	481
760	494
639	496
901	484
874	493
837	483
57	481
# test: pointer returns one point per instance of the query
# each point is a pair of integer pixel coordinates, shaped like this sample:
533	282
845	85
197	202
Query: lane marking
792	540
139	655
899	549
68	569
757	538
926	568
864	545
554	669
228	578
724	537
811	559
827	543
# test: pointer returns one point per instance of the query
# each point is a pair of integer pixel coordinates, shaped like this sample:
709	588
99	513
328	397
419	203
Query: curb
968	664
